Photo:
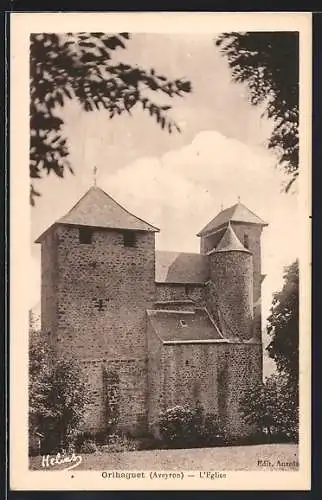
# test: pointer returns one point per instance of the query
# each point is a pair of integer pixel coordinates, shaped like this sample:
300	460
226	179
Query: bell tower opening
85	235
129	238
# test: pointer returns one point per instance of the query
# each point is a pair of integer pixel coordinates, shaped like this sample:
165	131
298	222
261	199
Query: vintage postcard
160	251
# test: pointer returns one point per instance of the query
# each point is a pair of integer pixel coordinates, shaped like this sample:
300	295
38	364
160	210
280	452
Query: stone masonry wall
244	362
94	301
103	291
231	293
155	377
174	291
215	375
253	233
48	287
130	384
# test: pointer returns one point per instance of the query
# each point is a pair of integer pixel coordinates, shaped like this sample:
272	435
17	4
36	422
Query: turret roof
97	209
229	242
236	213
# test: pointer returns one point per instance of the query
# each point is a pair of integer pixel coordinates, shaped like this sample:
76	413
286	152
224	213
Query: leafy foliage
118	443
88	447
79	66
57	394
272	407
283	325
268	62
182	426
104	441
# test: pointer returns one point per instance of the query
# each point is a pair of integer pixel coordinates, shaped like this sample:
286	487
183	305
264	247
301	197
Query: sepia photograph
166	252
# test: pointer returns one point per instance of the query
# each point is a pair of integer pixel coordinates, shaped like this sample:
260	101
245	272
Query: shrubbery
184	427
58	395
88	446
92	442
119	443
272	407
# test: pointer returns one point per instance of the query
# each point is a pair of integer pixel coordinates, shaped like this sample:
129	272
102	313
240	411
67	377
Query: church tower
98	278
231	297
248	228
232	242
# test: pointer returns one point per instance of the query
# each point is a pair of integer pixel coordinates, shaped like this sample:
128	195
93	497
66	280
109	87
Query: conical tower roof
236	213
97	209
229	242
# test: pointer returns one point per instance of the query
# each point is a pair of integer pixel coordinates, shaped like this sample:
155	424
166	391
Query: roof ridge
247	216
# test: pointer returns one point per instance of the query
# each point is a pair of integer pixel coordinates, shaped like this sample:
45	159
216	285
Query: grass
235	458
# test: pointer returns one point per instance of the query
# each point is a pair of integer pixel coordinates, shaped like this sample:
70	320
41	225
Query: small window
129	239
183	323
246	242
85	235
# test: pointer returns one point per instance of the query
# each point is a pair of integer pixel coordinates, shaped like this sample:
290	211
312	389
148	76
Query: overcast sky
178	182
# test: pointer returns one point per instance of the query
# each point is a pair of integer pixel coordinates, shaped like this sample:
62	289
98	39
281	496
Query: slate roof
97	209
180	267
183	326
229	242
236	213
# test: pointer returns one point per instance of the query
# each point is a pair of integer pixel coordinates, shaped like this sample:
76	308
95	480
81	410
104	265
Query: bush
118	443
91	442
272	407
148	442
182	427
58	395
212	432
88	447
176	425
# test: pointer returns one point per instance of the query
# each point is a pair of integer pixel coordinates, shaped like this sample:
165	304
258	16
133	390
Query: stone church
154	329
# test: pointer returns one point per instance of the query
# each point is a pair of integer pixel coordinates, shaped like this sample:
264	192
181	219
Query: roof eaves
228	250
262	223
237	221
107	228
184	283
203	341
44	233
174	302
103	228
213	231
153	312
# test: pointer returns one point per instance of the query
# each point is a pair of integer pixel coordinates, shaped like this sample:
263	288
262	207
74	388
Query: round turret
231	271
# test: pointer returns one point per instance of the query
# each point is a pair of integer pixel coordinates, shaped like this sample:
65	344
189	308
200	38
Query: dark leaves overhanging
78	66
